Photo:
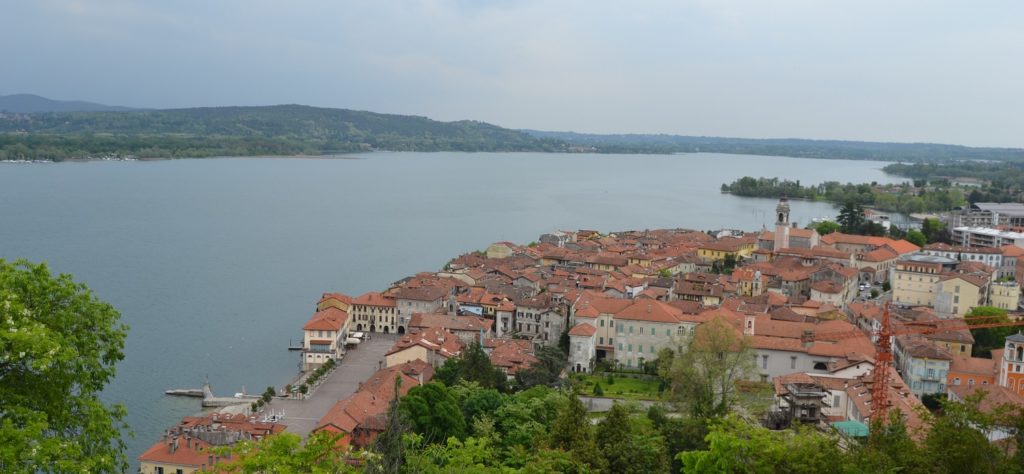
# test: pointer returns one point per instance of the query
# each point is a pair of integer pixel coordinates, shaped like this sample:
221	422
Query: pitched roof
374	298
328	319
650	310
583	330
450	322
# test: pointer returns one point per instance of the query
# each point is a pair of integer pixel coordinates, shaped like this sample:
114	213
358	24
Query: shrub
597	390
611	379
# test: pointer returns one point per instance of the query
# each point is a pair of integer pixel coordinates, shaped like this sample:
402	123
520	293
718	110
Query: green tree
598	391
986	339
59	348
851	217
625	448
703	376
664	273
571	431
550	363
956	441
934	230
285	453
433	412
737	446
826	227
916	237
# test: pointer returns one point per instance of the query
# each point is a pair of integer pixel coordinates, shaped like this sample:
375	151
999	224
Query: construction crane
880	402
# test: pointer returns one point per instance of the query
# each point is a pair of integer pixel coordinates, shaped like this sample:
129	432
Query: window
611	340
620	346
956	289
179	471
764	362
956	381
629	348
641	330
600	322
668	332
620	328
956	299
764	378
640	348
820	366
600	340
159	470
835	402
792	362
631	329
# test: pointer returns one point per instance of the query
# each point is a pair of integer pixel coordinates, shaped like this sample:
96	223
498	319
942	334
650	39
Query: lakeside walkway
357	366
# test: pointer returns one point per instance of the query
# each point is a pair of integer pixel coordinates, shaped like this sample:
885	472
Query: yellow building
718	250
1005	295
914	279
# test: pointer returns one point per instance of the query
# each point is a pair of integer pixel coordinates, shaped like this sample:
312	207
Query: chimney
807	338
748	325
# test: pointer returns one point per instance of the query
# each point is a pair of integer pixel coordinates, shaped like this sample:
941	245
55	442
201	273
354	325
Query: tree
826	227
598	391
472	365
703	376
986	339
664	273
285	452
916	237
571	431
934	230
388	445
433	412
625	448
737	446
546	371
59	348
851	217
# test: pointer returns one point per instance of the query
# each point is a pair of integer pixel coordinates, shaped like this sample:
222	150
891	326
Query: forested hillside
234	131
833	149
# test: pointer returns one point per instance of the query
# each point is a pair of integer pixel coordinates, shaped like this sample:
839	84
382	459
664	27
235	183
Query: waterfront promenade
357	366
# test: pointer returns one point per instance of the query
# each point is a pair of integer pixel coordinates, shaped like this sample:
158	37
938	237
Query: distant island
36	128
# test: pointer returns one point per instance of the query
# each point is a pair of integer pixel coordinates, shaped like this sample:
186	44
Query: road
357	366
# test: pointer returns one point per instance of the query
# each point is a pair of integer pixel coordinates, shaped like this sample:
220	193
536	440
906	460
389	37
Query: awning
353	340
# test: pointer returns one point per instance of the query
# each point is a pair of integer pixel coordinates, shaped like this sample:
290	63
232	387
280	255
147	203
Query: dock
185	392
209	399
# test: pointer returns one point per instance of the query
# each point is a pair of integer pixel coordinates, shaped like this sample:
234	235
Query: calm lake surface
216	263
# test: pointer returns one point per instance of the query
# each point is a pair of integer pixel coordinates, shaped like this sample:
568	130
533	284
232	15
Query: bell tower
782	224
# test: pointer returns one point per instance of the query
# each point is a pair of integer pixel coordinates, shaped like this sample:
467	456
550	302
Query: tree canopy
59	346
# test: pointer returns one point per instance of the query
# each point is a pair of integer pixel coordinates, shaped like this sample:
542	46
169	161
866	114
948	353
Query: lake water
216	263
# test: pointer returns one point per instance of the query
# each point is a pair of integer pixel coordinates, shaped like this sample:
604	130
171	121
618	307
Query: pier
209	399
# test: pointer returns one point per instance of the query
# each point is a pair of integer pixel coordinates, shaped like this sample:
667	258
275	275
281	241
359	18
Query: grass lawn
624	387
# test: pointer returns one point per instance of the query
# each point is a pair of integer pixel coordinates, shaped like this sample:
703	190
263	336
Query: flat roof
990	231
925	258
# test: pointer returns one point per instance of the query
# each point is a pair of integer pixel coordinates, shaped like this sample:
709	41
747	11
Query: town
839	329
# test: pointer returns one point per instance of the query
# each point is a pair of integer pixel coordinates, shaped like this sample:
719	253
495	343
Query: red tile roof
374	298
583	330
328	319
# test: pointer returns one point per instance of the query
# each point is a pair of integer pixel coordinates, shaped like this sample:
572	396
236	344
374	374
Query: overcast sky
935	71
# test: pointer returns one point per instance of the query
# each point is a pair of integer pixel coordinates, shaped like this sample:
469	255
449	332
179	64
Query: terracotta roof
374	298
328	319
827	286
374	396
336	296
450	322
423	293
995	396
881	254
511	354
973	365
433	339
195	435
583	330
903	247
650	310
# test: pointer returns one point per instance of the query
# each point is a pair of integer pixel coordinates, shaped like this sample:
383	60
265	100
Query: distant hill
30	104
36	128
800	148
242	131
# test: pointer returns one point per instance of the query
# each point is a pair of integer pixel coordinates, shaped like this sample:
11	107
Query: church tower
782	224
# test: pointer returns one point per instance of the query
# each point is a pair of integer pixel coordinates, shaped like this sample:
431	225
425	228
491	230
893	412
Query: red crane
880	403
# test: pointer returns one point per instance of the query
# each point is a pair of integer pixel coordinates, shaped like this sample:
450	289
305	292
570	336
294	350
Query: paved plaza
357	366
